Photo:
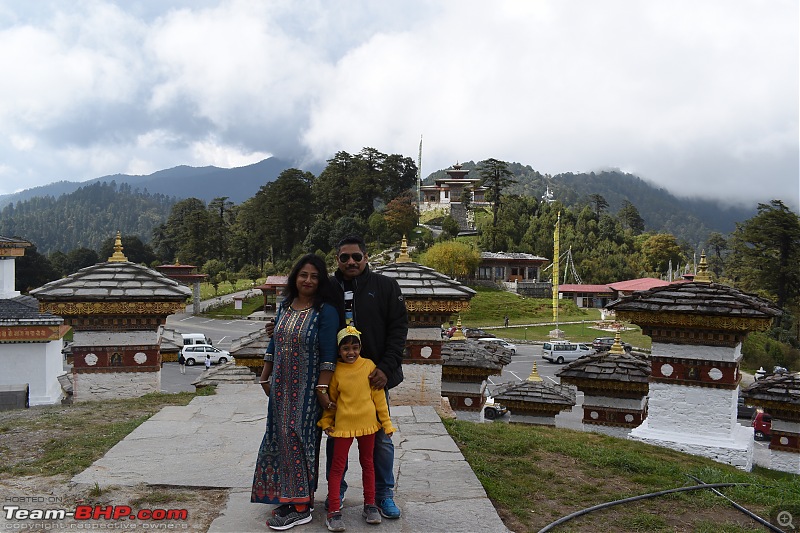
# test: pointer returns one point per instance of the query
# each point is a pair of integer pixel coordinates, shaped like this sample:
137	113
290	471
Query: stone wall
422	385
116	385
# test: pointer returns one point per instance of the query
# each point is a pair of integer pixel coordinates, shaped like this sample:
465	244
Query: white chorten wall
36	363
113	386
695	417
7	278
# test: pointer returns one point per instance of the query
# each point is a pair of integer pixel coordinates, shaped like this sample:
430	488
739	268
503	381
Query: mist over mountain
43	215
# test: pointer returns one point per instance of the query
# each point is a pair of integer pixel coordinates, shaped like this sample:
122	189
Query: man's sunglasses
357	257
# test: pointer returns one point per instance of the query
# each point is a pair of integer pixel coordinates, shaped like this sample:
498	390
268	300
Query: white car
561	351
195	354
505	344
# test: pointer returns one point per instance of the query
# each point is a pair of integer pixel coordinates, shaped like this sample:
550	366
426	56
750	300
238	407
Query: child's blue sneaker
389	509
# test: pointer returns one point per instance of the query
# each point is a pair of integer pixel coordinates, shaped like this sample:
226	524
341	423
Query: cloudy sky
700	98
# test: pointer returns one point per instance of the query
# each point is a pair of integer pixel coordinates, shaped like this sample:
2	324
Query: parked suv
602	344
196	354
561	351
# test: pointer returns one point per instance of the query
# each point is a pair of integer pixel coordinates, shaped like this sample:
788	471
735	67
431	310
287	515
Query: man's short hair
353	239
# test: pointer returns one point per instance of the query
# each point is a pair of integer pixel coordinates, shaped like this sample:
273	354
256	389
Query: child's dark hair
350	339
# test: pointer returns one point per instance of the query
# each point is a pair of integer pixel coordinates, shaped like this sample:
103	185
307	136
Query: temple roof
472	353
121	280
608	367
24	311
780	388
251	346
537	392
9	242
421	282
697	298
639	284
515	256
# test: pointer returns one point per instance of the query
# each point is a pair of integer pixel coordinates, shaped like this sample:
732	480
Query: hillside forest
373	194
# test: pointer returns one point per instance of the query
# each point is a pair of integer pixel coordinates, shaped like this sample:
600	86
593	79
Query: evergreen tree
495	176
765	253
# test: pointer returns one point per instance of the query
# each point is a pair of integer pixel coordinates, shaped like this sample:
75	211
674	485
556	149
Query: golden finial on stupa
617	348
403	257
118	256
534	374
458	335
702	275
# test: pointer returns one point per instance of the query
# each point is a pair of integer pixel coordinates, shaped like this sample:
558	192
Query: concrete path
436	488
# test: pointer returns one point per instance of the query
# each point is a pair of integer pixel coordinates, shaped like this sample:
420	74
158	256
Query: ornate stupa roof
778	394
619	372
472	353
421	282
113	280
697	298
534	393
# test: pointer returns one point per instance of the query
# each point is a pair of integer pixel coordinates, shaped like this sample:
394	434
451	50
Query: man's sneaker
335	522
371	514
341	500
291	519
389	509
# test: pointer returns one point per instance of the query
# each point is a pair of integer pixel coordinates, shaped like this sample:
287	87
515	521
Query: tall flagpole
556	253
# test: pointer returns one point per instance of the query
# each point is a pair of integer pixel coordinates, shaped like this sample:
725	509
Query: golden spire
702	275
403	257
617	348
117	256
534	374
458	335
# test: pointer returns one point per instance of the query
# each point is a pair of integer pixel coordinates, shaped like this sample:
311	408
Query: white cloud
698	97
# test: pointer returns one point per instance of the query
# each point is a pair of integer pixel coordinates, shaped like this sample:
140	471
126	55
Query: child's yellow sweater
360	409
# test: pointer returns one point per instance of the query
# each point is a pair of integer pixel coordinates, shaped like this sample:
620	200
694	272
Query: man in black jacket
373	304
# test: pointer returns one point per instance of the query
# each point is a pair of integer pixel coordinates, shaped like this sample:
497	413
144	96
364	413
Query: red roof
575	287
641	284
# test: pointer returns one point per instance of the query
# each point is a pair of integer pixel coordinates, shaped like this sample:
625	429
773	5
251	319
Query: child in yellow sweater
355	411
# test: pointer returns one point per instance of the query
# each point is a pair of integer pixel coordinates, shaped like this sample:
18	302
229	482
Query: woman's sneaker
289	520
371	514
335	522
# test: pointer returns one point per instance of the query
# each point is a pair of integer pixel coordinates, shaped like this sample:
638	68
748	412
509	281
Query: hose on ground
740	508
606	505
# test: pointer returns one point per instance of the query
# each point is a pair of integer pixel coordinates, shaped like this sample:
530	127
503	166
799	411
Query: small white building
30	341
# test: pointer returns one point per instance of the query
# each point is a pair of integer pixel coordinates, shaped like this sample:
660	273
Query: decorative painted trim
607	416
603	387
518	407
10	334
437	306
692	321
111	308
466	402
785	442
695	372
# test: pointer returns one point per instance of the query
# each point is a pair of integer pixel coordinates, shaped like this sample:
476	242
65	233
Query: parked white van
561	351
194	338
196	354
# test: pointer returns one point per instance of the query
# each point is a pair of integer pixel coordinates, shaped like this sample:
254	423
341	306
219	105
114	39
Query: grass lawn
535	475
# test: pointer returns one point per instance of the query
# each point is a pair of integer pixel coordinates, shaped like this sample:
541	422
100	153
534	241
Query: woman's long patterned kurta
303	342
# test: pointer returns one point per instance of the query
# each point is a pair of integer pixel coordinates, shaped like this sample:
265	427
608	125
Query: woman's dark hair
324	291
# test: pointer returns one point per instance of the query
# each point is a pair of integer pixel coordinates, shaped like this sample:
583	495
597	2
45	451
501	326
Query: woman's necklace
297	305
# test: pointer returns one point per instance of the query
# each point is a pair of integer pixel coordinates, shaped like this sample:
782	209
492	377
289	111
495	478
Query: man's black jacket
379	313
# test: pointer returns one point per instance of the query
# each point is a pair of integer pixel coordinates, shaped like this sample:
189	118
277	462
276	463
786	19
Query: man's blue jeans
383	457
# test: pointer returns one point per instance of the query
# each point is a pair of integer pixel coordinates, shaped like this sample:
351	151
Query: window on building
485	273
500	272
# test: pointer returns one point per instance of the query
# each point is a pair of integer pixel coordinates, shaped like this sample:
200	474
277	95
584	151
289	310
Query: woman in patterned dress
301	356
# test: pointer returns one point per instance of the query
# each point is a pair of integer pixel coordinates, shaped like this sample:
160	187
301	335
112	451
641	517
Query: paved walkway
436	488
